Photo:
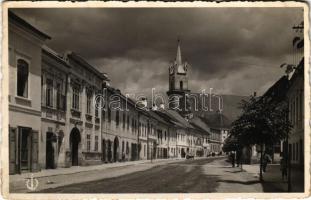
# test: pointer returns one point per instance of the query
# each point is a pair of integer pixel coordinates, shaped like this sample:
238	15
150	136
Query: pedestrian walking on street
283	168
238	159
233	159
266	160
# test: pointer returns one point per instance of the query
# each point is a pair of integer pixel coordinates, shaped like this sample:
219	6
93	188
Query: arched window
22	78
181	85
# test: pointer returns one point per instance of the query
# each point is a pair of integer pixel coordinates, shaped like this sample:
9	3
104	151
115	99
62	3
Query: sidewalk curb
129	163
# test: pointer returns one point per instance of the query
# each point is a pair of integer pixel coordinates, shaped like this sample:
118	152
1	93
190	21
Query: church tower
178	82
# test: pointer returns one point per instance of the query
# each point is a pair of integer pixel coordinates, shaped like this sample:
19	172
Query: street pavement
189	176
65	176
170	176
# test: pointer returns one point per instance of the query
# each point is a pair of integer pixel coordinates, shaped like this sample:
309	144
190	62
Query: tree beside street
264	119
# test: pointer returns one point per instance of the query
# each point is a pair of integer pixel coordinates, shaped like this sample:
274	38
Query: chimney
255	94
154	107
66	55
144	102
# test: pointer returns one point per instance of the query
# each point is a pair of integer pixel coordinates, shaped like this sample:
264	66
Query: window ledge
75	110
97	120
88	117
23	98
50	107
75	113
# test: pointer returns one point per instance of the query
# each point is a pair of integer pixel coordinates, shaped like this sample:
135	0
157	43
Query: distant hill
230	108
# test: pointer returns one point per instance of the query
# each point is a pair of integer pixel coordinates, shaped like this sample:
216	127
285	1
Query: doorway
103	150
25	148
75	139
116	149
49	151
183	153
109	151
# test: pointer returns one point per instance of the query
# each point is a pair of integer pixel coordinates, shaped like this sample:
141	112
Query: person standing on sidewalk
283	168
238	158
266	160
233	159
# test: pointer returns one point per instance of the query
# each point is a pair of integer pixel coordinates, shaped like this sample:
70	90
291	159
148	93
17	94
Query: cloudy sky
232	50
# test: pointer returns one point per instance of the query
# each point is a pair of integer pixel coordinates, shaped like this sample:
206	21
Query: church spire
178	56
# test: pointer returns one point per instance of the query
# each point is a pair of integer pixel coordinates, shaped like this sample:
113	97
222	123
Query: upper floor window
75	98
103	114
181	85
61	97
22	78
88	142
109	114
88	102
172	84
49	92
97	106
96	110
123	119
128	122
117	117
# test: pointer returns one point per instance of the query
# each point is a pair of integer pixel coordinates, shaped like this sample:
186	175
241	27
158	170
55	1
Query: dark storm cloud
234	50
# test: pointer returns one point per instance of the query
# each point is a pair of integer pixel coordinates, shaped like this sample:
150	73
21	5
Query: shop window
96	143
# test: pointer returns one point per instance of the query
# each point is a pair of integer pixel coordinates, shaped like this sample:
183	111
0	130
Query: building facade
71	115
295	97
64	113
120	128
53	107
215	140
25	43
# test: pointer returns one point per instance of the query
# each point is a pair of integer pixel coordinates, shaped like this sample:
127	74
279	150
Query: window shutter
12	150
34	151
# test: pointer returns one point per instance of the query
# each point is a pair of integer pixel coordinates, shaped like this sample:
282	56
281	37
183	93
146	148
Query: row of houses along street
54	122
